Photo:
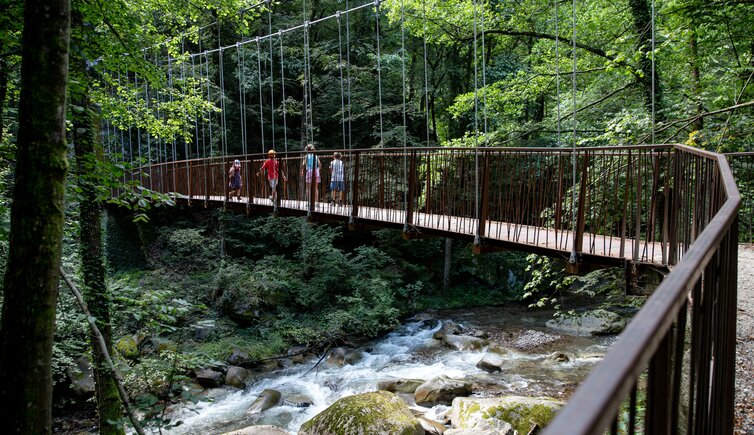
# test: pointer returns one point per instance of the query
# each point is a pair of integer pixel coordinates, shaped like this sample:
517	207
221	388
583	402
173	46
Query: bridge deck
605	250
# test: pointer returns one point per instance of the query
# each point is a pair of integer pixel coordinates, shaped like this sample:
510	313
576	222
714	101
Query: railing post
381	187
484	201
190	190
355	188
580	223
411	192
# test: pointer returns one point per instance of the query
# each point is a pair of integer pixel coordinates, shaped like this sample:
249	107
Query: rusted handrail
649	339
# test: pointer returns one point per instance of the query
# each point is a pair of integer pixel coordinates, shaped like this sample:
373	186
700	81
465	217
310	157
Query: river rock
81	377
464	342
236	377
209	378
298	401
520	412
400	385
595	322
340	356
432	427
191	387
441	390
560	357
297	354
379	412
449	327
259	430
491	362
128	347
266	400
237	357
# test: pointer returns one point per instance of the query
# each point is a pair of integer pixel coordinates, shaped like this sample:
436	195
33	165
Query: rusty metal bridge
666	205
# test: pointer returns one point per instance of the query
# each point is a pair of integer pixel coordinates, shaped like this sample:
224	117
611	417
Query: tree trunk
642	16
32	273
85	134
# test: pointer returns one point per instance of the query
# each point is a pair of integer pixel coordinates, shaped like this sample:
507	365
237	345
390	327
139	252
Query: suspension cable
379	68
426	74
261	99
308	90
572	258
484	79
241	65
173	148
403	91
477	236
282	86
342	91
185	117
272	75
652	20
348	74
224	132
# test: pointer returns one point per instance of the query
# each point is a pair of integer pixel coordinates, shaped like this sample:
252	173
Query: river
410	352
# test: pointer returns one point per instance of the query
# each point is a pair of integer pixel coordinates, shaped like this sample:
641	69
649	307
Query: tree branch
105	353
699	116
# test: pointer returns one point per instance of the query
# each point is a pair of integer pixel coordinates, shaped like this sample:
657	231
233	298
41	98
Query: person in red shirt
272	166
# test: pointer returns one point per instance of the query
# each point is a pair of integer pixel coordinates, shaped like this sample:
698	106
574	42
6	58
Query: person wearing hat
272	166
234	180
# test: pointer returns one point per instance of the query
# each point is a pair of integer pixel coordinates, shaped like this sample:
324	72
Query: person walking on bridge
234	180
273	169
312	165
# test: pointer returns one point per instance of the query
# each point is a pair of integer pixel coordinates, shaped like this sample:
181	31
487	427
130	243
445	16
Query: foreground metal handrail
595	405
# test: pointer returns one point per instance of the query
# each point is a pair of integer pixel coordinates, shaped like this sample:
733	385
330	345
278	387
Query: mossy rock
521	412
128	347
376	412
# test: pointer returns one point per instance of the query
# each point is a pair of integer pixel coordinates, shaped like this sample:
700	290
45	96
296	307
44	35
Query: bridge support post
578	236
484	207
411	194
355	190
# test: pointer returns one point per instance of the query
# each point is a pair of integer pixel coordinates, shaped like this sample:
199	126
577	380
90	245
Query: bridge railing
742	166
672	369
640	203
671	205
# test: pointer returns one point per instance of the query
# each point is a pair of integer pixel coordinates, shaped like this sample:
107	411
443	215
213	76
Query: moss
377	412
522	416
128	347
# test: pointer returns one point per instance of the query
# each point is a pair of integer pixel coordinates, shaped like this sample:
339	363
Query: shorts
273	183
309	176
337	186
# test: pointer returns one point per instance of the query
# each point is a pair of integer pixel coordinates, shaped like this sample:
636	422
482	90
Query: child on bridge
234	180
272	166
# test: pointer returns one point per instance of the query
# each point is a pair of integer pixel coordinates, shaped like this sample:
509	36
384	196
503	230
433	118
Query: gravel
745	342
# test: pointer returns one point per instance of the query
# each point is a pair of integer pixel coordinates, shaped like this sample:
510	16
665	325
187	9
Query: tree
31	278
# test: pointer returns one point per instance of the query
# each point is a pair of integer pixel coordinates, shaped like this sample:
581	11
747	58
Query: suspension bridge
669	206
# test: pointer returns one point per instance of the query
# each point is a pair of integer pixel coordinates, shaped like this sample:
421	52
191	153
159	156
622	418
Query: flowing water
410	353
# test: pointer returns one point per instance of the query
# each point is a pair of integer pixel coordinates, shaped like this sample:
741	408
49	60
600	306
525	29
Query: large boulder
595	322
297	354
464	342
236	377
266	400
522	413
259	430
432	427
441	391
379	412
209	378
128	347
